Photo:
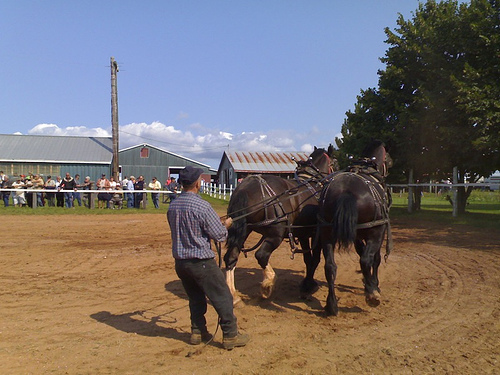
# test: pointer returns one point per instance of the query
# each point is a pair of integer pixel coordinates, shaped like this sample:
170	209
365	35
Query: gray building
55	155
150	161
236	165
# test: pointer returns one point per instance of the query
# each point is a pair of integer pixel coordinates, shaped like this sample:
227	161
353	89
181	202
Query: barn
55	155
236	165
150	161
88	156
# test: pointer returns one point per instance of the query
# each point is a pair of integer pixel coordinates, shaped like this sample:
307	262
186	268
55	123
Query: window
145	152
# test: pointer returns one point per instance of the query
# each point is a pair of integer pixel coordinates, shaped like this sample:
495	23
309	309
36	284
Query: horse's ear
315	148
330	150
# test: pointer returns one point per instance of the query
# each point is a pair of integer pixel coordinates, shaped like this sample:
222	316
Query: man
59	194
76	195
68	183
50	184
87	185
173	187
38	184
6	184
193	222
155	185
130	196
2	179
139	185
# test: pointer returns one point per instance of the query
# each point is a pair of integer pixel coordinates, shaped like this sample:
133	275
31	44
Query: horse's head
321	161
377	152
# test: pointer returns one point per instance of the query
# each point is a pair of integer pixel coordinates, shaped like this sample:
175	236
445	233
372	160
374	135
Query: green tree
438	100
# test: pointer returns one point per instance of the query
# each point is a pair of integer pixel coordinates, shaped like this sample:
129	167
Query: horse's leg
230	284
311	260
368	262
262	255
328	244
230	260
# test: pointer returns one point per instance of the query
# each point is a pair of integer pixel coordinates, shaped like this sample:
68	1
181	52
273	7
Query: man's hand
228	221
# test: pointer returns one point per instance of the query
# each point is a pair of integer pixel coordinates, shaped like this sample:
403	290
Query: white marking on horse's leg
230	284
269	281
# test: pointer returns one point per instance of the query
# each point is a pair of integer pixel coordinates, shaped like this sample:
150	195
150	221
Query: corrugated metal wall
156	164
45	169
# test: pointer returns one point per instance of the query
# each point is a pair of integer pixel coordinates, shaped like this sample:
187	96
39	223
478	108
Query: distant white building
494	179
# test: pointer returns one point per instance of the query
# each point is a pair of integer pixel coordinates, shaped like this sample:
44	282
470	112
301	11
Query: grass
483	210
219	205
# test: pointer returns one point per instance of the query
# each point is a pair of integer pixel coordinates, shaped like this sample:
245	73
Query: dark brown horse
273	207
354	209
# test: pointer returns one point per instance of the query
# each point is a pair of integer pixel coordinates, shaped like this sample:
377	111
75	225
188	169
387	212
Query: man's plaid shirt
193	222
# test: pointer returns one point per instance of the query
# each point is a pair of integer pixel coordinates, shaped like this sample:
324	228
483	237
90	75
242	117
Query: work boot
241	339
197	338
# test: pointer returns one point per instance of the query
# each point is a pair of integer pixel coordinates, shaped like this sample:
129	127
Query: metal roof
265	162
55	149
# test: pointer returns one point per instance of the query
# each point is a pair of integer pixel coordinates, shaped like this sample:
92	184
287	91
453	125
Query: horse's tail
237	232
345	219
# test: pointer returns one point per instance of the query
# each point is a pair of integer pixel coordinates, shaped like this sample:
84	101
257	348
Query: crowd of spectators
65	192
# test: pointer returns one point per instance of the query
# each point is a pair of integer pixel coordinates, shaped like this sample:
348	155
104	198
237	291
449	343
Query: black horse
276	208
354	209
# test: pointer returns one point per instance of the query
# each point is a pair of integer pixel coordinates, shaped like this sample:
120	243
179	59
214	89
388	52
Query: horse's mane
369	150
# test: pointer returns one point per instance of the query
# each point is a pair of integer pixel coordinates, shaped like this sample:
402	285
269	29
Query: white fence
219	191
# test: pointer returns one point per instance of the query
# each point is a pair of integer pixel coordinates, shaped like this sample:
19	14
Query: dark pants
202	278
59	199
5	197
155	199
138	197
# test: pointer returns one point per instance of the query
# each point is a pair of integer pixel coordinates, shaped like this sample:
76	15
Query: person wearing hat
155	197
193	223
50	184
172	187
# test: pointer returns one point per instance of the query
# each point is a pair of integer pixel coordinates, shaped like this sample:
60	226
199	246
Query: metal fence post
455	191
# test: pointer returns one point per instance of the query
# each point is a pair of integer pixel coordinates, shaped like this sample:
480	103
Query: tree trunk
462	197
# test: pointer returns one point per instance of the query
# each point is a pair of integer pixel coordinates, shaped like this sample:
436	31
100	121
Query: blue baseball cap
189	175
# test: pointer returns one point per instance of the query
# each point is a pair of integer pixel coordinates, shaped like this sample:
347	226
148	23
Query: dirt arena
99	295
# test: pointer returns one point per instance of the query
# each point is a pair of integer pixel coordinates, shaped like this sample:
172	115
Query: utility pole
114	118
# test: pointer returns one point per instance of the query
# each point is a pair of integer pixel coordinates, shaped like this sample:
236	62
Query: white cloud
195	141
53	129
307	147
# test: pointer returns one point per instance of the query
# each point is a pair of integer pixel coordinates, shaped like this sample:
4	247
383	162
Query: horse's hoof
373	299
267	287
331	311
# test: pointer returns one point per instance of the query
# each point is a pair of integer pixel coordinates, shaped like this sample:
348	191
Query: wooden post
114	118
92	200
34	199
410	191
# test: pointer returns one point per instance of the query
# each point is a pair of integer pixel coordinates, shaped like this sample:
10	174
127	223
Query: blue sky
196	77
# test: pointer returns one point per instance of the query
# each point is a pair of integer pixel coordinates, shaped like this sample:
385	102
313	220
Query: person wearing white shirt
155	185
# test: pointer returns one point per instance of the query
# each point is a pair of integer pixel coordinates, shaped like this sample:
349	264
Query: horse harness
366	170
308	173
